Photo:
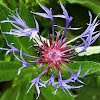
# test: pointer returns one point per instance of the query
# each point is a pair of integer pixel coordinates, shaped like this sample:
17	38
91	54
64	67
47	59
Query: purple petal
74	28
18	15
85	74
44	8
33	34
36	80
33	81
4	49
78	73
38	90
61	16
22	29
94	38
90	17
64	10
66	89
41	14
16	26
37	25
95	19
51	80
17	57
73	87
21	55
80	81
42	85
19	70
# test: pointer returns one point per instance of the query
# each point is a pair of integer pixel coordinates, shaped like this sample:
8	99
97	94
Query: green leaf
18	92
24	87
12	4
10	93
26	15
48	94
89	51
9	70
4	12
94	5
90	90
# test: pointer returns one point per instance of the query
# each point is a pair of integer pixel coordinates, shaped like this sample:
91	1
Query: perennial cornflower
54	53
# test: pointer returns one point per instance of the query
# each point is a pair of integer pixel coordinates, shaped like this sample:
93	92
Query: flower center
53	56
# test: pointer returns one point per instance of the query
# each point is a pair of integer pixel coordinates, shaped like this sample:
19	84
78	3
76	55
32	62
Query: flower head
55	53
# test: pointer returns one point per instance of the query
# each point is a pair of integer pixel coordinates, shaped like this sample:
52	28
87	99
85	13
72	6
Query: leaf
10	94
90	50
91	4
9	70
90	90
48	94
18	92
26	15
12	4
24	87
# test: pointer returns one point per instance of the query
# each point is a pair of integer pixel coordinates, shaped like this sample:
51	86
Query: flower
55	53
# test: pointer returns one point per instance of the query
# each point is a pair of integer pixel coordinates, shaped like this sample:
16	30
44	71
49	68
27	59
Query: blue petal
41	14
44	8
78	73
85	74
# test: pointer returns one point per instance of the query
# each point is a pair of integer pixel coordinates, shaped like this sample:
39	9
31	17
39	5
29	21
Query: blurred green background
13	87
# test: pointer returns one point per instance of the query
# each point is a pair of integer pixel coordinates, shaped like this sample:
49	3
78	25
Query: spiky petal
65	16
48	14
63	84
21	28
25	64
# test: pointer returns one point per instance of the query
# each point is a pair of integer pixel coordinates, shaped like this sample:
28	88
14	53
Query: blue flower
89	33
75	77
56	52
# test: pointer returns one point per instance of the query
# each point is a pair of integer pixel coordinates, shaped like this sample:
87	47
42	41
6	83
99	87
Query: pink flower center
51	55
